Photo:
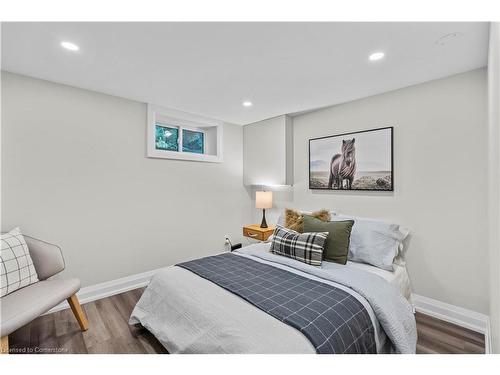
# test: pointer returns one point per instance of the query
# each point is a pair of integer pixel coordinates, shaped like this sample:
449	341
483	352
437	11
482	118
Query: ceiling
211	68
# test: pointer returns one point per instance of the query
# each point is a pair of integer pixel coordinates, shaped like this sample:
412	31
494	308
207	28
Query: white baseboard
487	338
457	315
108	288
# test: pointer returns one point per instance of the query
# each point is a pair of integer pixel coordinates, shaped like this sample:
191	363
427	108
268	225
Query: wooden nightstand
257	233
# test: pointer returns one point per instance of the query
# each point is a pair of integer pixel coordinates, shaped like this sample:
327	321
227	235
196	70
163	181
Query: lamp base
263	224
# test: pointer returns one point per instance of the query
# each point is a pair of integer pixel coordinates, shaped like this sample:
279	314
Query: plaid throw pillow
304	247
16	267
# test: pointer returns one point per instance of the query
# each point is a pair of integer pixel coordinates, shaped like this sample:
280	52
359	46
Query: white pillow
16	266
375	242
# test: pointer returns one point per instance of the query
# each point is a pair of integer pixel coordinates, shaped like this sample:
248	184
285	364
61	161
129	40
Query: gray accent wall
440	180
75	173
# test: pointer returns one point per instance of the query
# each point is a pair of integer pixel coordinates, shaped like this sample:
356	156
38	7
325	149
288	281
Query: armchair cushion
24	305
16	266
47	257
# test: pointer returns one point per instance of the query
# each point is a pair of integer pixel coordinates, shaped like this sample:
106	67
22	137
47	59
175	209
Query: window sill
184	156
173	118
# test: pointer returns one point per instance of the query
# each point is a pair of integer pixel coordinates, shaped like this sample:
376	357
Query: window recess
179	135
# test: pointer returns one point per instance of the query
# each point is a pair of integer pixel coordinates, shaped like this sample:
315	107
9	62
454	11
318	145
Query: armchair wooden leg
78	311
5	345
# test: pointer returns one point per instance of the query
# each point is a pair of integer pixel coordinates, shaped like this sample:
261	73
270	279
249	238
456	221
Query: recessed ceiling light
376	56
70	46
247	103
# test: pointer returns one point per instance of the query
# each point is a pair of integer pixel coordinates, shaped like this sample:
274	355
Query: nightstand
257	233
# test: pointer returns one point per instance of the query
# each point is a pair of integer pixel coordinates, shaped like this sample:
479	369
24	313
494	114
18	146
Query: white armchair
26	304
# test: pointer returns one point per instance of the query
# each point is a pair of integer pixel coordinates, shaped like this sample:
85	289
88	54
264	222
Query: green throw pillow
339	234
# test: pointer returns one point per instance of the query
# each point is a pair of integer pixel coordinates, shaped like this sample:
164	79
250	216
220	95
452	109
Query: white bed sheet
399	277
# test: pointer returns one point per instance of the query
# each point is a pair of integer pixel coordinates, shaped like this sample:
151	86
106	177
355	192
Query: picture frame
355	161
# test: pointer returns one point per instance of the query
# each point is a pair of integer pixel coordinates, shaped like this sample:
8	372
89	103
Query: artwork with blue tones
167	138
193	141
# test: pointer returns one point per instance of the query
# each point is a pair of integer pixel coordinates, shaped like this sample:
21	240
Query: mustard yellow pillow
295	220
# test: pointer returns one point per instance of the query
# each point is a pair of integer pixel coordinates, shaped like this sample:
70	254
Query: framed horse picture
360	160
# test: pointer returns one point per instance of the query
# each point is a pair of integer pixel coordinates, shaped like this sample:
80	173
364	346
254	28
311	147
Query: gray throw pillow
374	242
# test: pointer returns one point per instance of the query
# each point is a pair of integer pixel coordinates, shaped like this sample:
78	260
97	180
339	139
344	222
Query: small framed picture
352	161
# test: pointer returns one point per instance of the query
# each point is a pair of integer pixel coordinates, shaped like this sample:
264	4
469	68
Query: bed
188	313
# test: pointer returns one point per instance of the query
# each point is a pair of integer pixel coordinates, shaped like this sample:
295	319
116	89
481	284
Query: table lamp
263	199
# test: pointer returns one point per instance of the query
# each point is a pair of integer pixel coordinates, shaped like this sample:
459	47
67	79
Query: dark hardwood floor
436	336
109	332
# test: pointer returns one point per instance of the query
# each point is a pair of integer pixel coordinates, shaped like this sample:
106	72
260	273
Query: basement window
179	135
166	138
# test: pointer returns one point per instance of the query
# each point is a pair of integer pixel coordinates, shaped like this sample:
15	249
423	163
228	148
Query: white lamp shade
263	199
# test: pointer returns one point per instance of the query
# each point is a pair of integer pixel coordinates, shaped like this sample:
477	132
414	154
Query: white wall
266	149
74	172
440	177
494	182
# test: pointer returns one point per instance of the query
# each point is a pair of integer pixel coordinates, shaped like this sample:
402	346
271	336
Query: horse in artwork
343	167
